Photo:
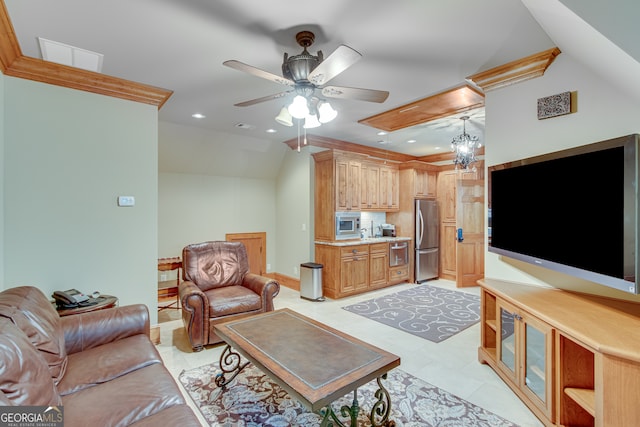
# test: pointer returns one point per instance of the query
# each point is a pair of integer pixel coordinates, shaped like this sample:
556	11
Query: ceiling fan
306	73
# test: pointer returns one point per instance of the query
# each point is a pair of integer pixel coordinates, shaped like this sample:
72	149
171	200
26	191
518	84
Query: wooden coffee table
313	362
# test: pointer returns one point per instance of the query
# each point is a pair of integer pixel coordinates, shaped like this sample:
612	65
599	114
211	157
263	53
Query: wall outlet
304	227
268	267
295	271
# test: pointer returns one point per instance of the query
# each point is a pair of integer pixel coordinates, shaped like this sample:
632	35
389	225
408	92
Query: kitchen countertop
365	241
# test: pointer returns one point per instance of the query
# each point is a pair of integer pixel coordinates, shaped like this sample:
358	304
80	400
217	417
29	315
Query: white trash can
311	281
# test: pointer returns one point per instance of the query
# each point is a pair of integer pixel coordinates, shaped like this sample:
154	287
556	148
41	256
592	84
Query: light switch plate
126	201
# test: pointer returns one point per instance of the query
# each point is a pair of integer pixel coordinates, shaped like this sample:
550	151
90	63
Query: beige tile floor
451	364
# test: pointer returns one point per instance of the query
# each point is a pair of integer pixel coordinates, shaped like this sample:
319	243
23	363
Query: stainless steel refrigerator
427	239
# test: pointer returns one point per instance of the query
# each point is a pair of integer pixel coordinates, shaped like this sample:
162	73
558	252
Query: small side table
169	264
101	303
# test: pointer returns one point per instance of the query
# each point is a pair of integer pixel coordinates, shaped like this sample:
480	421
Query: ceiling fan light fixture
284	117
298	108
326	112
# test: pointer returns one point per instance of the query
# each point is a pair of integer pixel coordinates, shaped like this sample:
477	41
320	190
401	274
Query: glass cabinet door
538	342
507	347
534	377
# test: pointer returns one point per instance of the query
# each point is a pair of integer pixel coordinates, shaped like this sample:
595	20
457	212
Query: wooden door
470	218
256	244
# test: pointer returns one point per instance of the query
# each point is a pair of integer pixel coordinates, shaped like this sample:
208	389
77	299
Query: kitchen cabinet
389	189
370	186
354	269
425	183
378	264
350	269
350	182
347	185
573	359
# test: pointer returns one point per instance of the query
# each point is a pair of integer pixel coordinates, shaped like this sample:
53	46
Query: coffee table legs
229	364
379	416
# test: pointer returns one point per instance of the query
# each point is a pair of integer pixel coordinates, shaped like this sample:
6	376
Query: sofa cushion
106	362
232	300
124	400
24	374
179	415
31	311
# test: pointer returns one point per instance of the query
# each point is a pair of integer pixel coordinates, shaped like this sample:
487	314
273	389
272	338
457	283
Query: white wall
68	154
295	217
199	208
514	132
2	121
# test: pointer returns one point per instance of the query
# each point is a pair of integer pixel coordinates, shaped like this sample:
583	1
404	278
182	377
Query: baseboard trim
154	334
288	281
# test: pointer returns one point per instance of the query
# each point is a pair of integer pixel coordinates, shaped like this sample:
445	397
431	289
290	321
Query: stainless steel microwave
347	225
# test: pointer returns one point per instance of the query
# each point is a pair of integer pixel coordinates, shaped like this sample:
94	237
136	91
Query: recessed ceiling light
381	133
411	141
271	131
437	148
198	116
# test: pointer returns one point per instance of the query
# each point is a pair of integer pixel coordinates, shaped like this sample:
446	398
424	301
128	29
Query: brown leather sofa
218	287
100	366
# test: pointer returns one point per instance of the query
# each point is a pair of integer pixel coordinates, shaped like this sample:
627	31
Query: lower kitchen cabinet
573	359
398	274
353	269
378	264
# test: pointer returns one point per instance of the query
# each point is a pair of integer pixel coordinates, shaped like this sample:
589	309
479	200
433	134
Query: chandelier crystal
465	146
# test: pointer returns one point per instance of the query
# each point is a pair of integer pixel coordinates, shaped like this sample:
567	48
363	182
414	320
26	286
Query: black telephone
70	298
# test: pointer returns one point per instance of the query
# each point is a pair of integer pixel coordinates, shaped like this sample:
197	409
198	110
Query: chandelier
465	146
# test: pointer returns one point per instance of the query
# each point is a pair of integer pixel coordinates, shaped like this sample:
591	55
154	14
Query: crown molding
516	71
14	64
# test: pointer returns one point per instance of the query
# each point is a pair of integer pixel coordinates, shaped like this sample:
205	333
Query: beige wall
295	212
199	208
68	155
513	132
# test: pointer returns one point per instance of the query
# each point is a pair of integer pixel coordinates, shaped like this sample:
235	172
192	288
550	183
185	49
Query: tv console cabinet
572	358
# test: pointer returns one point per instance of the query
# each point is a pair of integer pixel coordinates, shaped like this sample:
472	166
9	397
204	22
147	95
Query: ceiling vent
64	54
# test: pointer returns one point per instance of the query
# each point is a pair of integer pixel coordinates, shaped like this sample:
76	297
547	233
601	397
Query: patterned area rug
252	399
426	311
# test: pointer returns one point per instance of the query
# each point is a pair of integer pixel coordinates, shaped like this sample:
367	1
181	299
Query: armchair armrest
266	287
88	330
195	313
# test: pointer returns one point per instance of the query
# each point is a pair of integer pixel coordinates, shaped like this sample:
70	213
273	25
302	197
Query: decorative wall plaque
554	105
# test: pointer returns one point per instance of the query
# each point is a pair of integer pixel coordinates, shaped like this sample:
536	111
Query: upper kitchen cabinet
389	189
347	184
370	186
350	182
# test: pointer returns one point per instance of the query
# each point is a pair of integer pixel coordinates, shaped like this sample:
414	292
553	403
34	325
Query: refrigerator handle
421	231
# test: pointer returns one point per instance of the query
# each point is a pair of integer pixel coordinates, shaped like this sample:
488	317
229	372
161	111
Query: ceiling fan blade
369	95
241	66
263	99
339	60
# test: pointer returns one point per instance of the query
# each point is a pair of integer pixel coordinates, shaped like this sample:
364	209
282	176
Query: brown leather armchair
218	287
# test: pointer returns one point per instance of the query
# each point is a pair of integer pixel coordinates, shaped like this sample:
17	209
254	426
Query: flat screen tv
573	211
